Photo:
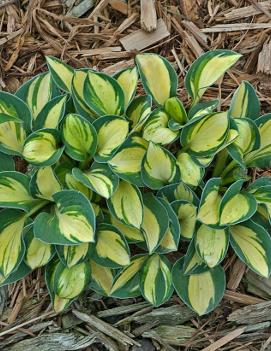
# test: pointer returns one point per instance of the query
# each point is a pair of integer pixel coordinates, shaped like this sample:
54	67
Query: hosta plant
132	195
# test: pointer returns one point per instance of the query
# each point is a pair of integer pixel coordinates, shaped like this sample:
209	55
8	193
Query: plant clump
115	182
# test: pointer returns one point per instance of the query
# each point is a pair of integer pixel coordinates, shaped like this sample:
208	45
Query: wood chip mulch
106	35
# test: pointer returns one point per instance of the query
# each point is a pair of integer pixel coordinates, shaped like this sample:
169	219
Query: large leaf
99	178
79	137
159	167
127	79
43	148
252	243
155	221
200	138
155	280
245	103
211	244
201	292
111	248
12	246
150	67
103	94
126	204
127	162
112	132
71	222
187	215
207	69
127	277
62	73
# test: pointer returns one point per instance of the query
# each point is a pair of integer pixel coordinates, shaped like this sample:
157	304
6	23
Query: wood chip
235	27
225	339
190	9
105	328
241	298
81	9
140	39
264	60
247	11
252	314
148	18
236	274
119	5
116	311
193	29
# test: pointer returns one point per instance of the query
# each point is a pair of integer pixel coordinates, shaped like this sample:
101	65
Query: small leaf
44	183
187	215
190	172
99	178
126	204
245	103
14	192
79	137
37	253
126	276
159	167
101	278
12	247
210	202
139	111
51	114
156	129
111	249
112	132
155	221
200	138
62	73
37	92
127	79
72	255
155	280
127	162
211	244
